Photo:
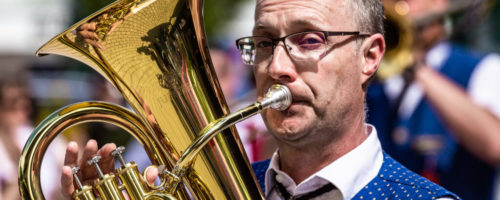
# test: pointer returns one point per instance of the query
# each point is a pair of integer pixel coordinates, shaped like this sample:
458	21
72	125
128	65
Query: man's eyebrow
297	25
260	27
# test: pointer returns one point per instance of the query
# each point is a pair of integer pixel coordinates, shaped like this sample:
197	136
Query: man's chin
289	129
286	124
290	136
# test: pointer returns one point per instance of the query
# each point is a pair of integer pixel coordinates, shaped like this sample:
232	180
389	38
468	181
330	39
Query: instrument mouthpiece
277	97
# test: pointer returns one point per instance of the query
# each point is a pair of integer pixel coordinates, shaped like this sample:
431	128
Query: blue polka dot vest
394	181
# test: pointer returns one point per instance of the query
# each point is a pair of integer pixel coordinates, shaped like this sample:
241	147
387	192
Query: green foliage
84	8
217	13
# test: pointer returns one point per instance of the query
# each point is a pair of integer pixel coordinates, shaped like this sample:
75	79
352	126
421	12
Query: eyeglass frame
275	41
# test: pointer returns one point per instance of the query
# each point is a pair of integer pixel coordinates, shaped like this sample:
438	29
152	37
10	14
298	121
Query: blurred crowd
16	110
439	116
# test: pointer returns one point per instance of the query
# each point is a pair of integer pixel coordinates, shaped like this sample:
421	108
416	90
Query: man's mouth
299	99
294	105
299	102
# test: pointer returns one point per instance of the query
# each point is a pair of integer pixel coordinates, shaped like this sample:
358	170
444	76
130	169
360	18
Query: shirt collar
350	173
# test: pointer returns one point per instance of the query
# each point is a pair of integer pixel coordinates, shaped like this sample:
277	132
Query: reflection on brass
114	15
155	53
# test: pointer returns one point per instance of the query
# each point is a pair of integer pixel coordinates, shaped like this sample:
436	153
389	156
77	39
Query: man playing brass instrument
325	52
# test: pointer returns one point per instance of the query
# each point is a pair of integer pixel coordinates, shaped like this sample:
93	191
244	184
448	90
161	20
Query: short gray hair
369	15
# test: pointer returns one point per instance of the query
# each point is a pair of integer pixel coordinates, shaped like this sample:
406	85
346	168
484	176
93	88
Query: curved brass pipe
278	97
37	144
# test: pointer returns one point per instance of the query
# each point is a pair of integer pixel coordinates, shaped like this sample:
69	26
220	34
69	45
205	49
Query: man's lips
299	99
296	103
299	102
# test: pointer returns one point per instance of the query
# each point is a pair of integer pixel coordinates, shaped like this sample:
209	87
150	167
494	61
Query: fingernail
72	144
91	141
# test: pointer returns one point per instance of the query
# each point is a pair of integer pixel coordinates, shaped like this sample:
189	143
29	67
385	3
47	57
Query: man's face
327	93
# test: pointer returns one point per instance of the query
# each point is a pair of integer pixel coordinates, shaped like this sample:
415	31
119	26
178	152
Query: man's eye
264	44
310	39
310	44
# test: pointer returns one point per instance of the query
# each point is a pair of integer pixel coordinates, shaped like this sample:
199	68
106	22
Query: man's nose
281	66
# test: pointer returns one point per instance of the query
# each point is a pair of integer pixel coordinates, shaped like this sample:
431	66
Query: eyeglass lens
304	46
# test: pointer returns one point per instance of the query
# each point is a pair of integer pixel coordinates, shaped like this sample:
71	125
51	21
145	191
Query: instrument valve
83	191
94	161
163	170
118	153
75	176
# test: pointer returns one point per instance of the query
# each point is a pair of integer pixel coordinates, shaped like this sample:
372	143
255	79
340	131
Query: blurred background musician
441	117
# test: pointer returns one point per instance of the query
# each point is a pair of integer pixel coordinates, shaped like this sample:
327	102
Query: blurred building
27	24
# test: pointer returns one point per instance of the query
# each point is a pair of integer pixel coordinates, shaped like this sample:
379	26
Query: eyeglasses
302	46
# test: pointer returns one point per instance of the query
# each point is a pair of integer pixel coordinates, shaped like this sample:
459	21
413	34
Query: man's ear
373	49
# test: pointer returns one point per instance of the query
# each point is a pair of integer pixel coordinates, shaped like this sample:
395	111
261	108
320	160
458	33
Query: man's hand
87	32
88	173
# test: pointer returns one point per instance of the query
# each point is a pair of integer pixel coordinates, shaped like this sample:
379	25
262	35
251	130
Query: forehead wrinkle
311	15
271	4
299	24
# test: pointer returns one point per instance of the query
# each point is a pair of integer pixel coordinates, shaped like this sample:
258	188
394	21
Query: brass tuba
155	53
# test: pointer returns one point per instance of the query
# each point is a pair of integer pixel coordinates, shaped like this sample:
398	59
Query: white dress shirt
350	173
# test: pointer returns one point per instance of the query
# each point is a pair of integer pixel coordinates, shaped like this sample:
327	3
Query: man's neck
300	163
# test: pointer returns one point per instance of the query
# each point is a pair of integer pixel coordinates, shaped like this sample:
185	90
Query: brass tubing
84	193
131	179
208	133
278	97
34	150
108	189
211	131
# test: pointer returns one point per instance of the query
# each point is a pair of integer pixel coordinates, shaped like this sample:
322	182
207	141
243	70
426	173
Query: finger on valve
70	160
85	173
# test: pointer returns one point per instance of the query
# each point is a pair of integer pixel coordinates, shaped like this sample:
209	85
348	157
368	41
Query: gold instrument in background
400	33
399	43
155	53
